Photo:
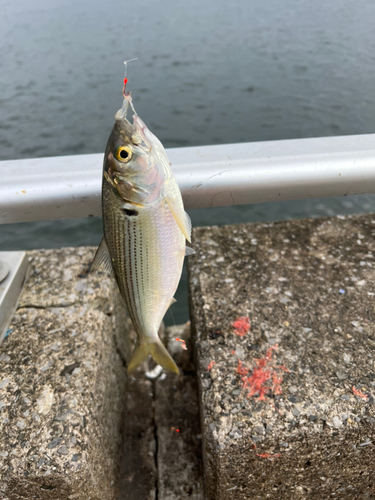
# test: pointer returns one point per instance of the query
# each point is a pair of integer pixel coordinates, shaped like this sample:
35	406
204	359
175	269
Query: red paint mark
212	363
267	455
241	326
359	393
263	372
233	352
183	343
174	429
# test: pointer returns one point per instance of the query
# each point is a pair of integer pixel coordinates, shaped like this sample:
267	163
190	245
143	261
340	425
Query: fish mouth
126	104
135	130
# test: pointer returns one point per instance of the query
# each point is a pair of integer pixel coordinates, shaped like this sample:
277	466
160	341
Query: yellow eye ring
123	154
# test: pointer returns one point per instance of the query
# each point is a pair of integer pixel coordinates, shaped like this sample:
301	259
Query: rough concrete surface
62	383
72	424
308	289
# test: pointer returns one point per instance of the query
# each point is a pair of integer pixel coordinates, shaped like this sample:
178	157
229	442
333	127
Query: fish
145	230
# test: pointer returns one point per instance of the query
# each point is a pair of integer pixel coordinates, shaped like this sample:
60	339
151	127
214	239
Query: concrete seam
154	422
118	350
49	306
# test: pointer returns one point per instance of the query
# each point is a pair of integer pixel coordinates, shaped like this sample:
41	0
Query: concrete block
62	383
287	408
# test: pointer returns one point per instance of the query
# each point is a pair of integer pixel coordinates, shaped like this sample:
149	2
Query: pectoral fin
181	217
102	260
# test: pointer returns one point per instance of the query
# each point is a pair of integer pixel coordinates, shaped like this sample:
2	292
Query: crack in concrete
118	350
93	303
49	306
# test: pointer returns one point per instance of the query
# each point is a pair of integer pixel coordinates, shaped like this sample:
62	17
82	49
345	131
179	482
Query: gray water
207	73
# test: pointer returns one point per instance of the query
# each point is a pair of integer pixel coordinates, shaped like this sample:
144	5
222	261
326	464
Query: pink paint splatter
359	393
268	455
212	363
241	326
263	372
242	370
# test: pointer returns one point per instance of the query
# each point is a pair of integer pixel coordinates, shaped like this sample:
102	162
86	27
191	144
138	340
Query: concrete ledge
304	425
62	383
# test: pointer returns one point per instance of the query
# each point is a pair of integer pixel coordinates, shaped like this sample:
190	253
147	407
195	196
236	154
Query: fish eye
123	154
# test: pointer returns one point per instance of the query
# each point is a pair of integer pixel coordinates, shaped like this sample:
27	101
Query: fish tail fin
140	355
158	352
162	357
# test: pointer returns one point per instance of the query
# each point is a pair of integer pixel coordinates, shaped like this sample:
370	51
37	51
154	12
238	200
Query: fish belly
147	252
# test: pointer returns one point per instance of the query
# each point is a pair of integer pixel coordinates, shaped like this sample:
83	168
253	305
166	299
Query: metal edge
13	294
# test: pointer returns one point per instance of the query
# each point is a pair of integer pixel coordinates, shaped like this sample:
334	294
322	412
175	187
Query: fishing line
127	97
170	311
126	74
126	34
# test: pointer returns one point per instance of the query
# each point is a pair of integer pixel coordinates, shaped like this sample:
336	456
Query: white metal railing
209	176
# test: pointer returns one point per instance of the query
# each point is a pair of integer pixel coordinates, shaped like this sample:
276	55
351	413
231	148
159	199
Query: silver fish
145	230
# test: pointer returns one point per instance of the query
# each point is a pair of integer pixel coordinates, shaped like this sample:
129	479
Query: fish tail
158	352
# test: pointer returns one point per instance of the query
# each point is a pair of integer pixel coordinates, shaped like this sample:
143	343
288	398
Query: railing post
4	270
13	274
